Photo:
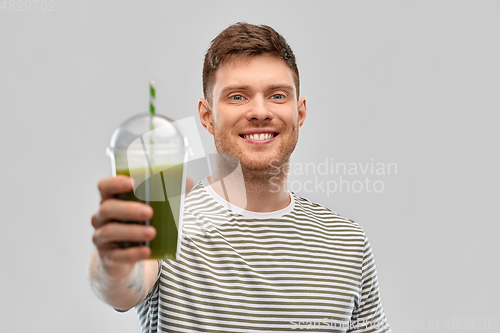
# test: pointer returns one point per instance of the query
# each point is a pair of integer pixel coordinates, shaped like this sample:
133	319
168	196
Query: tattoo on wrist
137	281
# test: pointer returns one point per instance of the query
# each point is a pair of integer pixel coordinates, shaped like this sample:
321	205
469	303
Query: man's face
255	114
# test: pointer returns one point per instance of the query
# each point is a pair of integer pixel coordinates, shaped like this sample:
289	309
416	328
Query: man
255	257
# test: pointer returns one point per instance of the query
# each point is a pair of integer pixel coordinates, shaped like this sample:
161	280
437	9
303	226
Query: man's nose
258	110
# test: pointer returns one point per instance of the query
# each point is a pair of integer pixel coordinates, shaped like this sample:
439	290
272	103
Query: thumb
189	185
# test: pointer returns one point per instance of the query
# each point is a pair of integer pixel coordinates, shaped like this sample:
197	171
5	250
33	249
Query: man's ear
302	111
205	114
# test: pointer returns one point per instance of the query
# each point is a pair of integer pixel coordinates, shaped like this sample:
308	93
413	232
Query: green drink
152	151
166	214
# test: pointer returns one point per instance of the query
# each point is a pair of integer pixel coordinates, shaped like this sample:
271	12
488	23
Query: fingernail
146	211
149	231
126	183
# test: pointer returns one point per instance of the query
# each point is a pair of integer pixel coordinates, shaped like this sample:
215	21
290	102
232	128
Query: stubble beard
257	171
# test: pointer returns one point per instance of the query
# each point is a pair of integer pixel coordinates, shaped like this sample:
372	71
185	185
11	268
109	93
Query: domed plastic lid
148	140
157	131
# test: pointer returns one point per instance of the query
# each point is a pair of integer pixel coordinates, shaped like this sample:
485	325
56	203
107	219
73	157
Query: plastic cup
153	152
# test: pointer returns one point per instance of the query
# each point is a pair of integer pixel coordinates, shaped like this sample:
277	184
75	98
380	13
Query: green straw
152	97
152	110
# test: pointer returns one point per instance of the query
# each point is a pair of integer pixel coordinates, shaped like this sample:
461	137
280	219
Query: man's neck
252	190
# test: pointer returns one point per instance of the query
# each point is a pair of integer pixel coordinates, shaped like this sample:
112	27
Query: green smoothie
162	192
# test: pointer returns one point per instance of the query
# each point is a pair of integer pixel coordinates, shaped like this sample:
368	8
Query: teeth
262	136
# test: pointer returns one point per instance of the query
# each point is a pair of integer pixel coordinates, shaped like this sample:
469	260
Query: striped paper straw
152	110
152	97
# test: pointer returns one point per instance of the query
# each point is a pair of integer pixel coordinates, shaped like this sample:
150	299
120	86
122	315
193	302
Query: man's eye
237	97
278	96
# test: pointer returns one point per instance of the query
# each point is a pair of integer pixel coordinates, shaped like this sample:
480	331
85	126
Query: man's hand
117	262
119	276
122	277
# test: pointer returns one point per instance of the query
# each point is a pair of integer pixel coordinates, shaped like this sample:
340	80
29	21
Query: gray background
413	83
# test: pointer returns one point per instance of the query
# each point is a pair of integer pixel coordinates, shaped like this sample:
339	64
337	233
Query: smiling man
254	259
255	116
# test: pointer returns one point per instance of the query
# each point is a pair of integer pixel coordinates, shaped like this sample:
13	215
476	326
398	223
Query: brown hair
244	39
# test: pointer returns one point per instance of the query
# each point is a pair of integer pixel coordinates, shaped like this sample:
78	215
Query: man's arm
123	293
121	277
369	316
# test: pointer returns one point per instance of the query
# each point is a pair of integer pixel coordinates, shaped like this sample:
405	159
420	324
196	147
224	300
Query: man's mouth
258	136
